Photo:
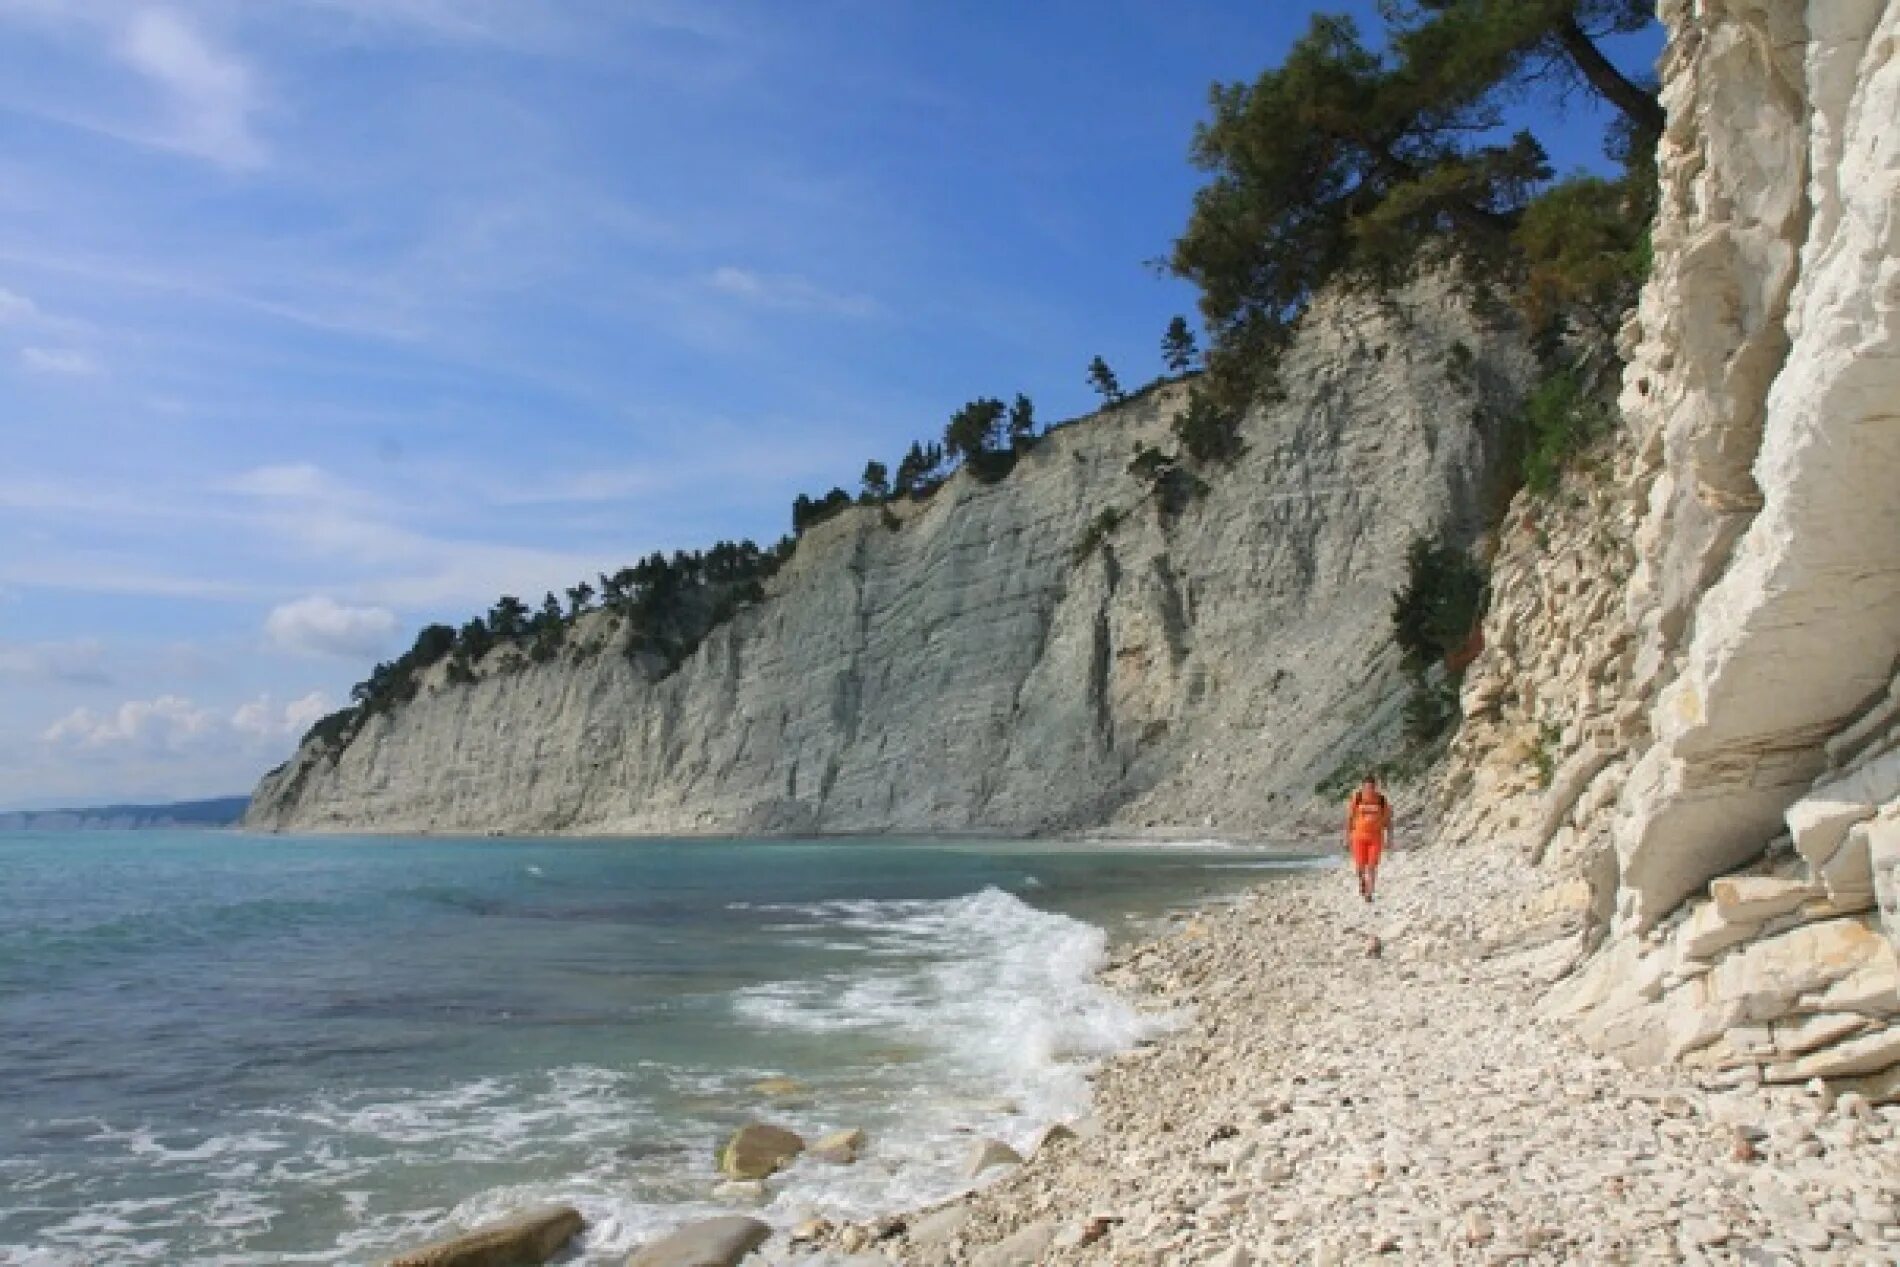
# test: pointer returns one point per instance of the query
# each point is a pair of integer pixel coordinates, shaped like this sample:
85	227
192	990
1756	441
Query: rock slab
526	1239
720	1242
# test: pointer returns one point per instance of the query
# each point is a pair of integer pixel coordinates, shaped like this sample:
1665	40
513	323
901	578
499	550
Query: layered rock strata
1055	650
1687	711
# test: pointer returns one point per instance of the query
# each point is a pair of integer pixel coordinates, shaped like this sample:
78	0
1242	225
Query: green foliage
1544	755
580	599
1561	418
1100	529
1208	431
508	618
1343	163
1439	605
1431	708
1178	349
807	513
1585	248
1022	424
875	485
1103	380
920	471
333	731
975	430
1173	487
1149	464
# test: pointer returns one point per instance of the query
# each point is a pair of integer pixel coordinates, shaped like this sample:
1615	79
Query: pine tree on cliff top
1342	162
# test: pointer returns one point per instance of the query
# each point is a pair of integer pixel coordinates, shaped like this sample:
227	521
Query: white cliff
1688	712
969	664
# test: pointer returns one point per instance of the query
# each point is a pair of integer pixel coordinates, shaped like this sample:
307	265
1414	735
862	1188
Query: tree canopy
1343	161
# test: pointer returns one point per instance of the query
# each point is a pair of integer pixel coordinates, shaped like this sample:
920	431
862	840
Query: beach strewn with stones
1351	1084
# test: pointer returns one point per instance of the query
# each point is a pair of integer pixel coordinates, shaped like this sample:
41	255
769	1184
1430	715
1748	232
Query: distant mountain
222	811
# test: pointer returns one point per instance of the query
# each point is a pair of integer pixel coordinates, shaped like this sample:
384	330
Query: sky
324	319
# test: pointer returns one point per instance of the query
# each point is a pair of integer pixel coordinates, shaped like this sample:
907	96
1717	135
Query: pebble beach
1349	1084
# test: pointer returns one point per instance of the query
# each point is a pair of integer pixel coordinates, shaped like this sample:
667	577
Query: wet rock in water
757	1150
523	1239
815	1229
840	1148
720	1242
987	1153
779	1088
740	1190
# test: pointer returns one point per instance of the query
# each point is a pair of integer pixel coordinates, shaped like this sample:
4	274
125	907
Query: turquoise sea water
219	1048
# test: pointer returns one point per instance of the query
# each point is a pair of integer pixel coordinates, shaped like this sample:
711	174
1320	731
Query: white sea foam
1000	1003
974	1016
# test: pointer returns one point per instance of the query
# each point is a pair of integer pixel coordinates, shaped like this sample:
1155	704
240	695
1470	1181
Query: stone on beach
524	1239
720	1242
988	1153
756	1151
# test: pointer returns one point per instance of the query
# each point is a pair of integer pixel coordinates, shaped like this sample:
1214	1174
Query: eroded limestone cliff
969	663
1688	710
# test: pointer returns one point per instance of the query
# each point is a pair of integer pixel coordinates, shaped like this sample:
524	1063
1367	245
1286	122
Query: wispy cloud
15	307
80	661
788	292
71	362
208	94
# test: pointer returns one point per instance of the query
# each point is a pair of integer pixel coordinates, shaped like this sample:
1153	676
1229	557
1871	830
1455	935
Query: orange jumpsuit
1369	816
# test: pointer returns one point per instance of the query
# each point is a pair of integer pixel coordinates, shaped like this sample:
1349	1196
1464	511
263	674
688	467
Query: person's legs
1369	878
1360	862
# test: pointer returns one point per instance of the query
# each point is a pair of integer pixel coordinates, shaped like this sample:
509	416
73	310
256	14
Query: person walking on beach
1368	823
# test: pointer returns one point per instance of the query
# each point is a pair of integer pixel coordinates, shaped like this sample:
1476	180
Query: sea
218	1048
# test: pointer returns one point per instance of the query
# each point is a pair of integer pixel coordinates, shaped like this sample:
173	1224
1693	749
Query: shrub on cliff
1442	599
1207	429
1561	418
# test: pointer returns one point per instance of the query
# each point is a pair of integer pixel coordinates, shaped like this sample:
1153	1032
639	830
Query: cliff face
963	665
1689	710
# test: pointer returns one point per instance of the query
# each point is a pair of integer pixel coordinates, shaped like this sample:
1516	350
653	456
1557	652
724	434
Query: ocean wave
1001	991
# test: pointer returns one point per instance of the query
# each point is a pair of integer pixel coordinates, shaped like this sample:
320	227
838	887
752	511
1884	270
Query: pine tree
1022	423
1178	351
1103	380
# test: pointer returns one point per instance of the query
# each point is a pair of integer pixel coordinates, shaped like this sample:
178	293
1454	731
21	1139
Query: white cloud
788	292
288	480
319	625
209	91
58	361
262	719
81	661
168	722
16	307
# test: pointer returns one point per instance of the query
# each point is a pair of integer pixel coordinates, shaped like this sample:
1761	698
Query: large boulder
1765	978
719	1242
524	1239
756	1150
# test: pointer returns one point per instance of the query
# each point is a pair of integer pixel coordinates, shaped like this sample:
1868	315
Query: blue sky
320	319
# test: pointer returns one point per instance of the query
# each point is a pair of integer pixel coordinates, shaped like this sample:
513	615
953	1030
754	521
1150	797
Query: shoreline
1327	1100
